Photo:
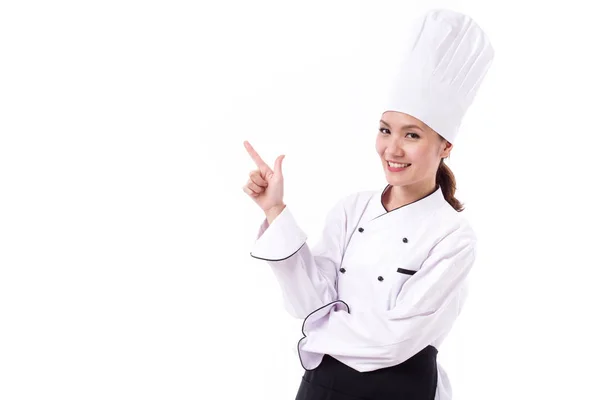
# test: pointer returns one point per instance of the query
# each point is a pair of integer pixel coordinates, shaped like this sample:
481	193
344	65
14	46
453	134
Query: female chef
381	289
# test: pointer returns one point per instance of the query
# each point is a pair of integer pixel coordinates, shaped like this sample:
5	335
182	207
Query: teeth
394	165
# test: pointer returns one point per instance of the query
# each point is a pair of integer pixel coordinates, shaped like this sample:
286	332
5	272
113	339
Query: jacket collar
408	213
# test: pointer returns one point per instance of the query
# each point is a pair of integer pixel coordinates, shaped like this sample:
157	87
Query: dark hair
445	179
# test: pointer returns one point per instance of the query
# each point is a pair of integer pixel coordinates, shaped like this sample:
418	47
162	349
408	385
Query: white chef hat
447	60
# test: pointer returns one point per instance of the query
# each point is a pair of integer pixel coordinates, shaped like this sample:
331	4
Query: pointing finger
257	160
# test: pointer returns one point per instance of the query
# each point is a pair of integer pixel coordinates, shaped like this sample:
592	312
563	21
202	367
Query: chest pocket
406	271
400	277
403	257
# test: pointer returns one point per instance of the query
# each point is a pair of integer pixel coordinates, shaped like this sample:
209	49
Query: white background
124	233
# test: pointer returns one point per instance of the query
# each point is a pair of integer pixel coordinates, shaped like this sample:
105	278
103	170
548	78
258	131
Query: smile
397	167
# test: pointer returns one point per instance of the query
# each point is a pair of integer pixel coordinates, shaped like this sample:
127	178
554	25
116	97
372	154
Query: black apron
414	379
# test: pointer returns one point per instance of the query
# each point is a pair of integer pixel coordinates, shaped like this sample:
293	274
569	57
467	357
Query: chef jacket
379	286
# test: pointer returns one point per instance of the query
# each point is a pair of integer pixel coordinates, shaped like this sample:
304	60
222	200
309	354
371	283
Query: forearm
306	277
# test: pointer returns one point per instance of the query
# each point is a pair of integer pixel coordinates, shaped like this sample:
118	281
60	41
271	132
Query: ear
447	147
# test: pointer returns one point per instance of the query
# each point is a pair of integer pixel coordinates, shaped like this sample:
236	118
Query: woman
382	288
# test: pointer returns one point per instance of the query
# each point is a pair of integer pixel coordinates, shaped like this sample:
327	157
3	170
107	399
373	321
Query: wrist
273	212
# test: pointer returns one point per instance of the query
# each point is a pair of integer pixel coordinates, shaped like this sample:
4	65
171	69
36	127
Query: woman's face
406	140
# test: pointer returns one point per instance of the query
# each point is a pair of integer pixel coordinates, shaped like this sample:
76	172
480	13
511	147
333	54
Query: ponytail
445	179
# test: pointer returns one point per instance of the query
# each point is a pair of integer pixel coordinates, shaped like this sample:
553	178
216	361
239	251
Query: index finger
257	160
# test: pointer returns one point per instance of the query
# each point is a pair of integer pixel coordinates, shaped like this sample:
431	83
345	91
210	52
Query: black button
361	230
380	278
342	270
405	240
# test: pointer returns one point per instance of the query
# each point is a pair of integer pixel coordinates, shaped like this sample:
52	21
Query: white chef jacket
379	286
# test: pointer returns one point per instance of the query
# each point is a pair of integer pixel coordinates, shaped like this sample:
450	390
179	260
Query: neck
398	196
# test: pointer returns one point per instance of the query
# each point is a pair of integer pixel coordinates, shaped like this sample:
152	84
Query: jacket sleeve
306	276
426	308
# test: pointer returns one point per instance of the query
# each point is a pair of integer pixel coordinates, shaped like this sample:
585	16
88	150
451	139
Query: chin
399	178
395	180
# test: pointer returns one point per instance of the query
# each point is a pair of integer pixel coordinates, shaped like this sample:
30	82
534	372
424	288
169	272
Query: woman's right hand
265	185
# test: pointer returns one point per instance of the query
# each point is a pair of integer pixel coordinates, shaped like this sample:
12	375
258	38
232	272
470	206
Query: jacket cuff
279	240
317	320
317	317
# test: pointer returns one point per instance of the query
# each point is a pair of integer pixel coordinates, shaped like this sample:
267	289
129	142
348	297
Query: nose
395	147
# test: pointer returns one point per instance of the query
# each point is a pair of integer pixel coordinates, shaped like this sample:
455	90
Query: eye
416	136
384	131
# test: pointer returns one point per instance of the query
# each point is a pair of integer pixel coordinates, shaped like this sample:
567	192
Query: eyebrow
412	126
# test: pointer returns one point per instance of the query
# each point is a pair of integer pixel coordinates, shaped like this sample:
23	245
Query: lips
398	165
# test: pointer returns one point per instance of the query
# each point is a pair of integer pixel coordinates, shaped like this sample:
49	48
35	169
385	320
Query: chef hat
441	72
